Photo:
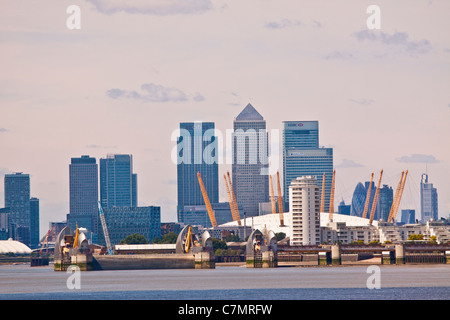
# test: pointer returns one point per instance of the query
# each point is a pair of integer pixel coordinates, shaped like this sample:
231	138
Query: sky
123	82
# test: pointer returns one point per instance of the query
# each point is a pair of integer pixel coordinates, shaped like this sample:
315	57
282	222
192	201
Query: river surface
424	282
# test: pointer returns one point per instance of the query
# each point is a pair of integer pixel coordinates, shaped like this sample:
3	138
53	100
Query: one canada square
250	160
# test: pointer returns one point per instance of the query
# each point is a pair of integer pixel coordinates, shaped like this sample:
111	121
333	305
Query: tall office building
17	199
83	190
118	183
250	160
303	157
34	223
428	200
304	204
385	199
197	152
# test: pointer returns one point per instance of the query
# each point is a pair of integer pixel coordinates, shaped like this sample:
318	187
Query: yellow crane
322	197
233	196
206	199
398	198
375	199
366	205
331	211
272	196
397	192
280	200
231	200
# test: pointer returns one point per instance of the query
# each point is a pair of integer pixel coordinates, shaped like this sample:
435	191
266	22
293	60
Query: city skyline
123	83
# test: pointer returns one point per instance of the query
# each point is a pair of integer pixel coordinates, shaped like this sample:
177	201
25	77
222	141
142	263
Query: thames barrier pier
71	248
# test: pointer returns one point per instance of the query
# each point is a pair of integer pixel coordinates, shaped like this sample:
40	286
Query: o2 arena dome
13	246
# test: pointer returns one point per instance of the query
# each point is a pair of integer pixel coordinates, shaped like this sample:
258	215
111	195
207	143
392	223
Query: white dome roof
13	246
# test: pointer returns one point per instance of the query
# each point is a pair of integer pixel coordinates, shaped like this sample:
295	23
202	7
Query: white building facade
304	204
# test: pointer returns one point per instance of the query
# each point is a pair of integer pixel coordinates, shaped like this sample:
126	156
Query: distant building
250	160
304	204
124	221
408	216
83	191
344	208
428	200
385	199
4	223
197	152
303	157
34	223
198	215
17	199
118	183
359	200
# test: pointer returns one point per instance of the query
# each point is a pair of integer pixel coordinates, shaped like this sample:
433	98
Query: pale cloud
153	7
285	23
151	92
346	163
400	39
418	158
3	130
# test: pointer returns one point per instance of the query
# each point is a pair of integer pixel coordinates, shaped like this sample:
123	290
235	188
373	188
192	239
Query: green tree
134	239
414	237
280	235
171	237
219	244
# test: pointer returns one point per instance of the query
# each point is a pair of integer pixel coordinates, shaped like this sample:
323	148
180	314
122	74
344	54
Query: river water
424	282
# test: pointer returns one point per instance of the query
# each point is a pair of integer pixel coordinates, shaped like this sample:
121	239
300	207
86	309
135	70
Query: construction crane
45	243
105	230
331	211
398	198
280	200
234	214
272	196
366	205
397	192
322	197
206	199
375	199
233	196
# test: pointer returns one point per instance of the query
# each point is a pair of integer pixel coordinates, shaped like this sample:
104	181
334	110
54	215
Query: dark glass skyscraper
83	181
118	183
303	157
428	200
17	199
250	160
197	151
34	222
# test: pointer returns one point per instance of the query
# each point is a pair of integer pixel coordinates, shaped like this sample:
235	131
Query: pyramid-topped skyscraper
250	155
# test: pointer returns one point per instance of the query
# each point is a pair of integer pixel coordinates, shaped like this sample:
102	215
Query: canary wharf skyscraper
302	156
250	160
196	152
83	180
118	183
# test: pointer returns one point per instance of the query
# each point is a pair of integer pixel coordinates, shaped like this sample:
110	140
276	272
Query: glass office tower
197	152
118	183
428	200
83	180
17	199
303	157
250	160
